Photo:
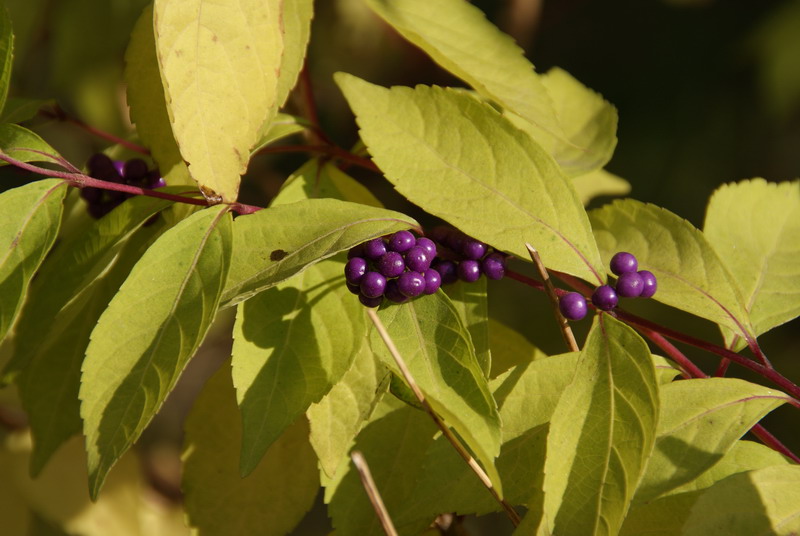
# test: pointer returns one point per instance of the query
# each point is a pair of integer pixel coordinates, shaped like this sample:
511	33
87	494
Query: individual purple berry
134	170
433	280
630	285
623	262
158	183
417	259
455	240
605	298
354	289
411	284
494	266
428	245
92	195
401	241
447	270
391	264
469	270
649	284
572	305
374	249
370	302
372	284
119	166
101	167
473	249
355	269
356	251
393	294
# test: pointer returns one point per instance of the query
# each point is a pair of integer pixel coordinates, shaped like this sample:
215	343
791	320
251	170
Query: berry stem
59	114
563	323
462	451
310	106
373	493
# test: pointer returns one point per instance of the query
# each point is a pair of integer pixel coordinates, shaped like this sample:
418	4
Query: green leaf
438	351
6	54
279	242
296	24
394	446
690	274
509	348
19	110
219	64
22	144
601	434
753	226
316	180
30	217
764	501
665	369
339	416
282	126
700	421
272	499
150	330
292	344
597	183
490	180
147	101
473	308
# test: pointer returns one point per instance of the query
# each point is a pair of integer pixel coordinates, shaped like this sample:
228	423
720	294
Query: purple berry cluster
631	283
400	266
134	172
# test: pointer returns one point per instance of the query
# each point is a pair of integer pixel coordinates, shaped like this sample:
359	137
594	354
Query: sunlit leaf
216	99
753	226
597	183
281	126
460	160
296	24
509	348
174	292
6	54
470	301
22	144
272	499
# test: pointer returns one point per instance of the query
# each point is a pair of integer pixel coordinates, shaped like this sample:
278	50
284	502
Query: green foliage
6	54
20	143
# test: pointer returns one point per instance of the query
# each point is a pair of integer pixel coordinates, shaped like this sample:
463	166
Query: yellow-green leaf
20	143
296	23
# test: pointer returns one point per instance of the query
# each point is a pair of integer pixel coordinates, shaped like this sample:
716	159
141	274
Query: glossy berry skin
649	284
573	306
623	262
417	259
402	241
494	266
370	302
469	270
355	269
158	183
393	294
448	271
630	285
428	245
433	280
391	264
411	284
374	249
605	297
473	249
372	284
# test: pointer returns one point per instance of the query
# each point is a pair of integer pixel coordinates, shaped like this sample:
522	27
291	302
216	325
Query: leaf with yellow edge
219	64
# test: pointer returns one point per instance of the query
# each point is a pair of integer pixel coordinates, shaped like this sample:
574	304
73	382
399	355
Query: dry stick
372	492
563	323
476	468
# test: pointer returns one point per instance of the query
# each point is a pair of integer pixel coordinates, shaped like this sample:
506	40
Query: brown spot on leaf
277	255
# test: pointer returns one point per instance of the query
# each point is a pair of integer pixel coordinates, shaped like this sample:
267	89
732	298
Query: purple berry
447	270
623	262
393	293
433	280
356	251
92	195
411	284
455	240
119	166
101	167
573	306
355	269
428	245
649	284
630	285
158	183
374	249
354	289
134	170
402	241
372	284
417	259
391	264
473	249
469	270
370	302
494	266
605	298
440	233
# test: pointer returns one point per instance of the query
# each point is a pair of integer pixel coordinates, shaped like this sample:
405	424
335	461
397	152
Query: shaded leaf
700	421
753	226
509	348
6	54
281	126
307	232
296	24
30	217
691	276
487	177
317	180
216	100
470	301
665	369
22	144
601	433
272	499
19	110
174	290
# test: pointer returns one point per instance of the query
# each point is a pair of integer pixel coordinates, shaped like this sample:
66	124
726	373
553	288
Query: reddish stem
310	106
60	115
330	150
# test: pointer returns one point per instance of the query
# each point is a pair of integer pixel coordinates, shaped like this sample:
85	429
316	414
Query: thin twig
329	150
373	493
563	323
310	106
60	115
454	441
